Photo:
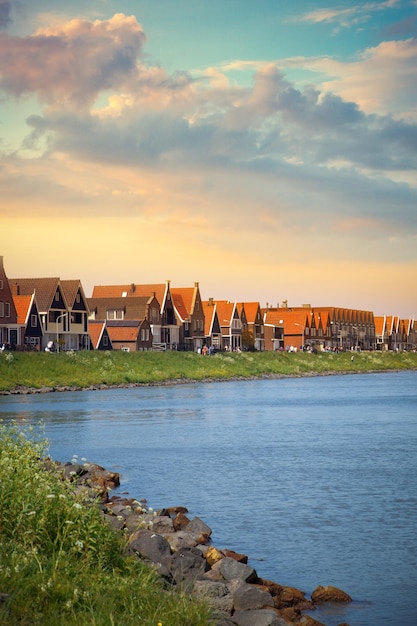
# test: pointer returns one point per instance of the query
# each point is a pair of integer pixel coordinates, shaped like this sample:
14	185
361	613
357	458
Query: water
314	478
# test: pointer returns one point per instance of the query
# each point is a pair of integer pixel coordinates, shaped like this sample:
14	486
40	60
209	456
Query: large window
115	314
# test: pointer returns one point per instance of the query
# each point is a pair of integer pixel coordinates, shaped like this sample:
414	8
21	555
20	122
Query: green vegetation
85	369
61	563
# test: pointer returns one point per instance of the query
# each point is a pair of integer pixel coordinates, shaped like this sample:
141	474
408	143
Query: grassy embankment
61	563
83	369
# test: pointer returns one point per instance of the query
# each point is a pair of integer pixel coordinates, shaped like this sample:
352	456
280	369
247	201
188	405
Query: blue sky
267	150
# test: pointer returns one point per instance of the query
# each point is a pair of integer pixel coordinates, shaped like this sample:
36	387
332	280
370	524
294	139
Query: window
1	309
33	321
57	296
78	298
1	284
115	314
7	306
144	334
105	341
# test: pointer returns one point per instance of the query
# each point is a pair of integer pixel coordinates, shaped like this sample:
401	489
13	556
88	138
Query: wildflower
50	496
79	544
68	521
77	505
31	513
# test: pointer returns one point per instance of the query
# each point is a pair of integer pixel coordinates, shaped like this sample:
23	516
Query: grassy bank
61	563
84	369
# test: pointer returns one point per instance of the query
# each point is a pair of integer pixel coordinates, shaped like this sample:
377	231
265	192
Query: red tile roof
22	305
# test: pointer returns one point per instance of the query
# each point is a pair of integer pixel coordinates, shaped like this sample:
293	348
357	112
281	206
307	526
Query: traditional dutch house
9	328
230	324
190	316
212	329
292	328
273	329
252	325
130	336
78	312
29	321
99	336
64	324
165	329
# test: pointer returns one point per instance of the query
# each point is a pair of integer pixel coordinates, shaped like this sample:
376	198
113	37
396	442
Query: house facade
253	334
99	336
10	330
130	336
212	329
189	312
62	309
29	320
165	329
230	325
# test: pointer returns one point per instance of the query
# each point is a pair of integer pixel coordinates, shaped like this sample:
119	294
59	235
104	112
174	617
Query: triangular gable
48	291
74	295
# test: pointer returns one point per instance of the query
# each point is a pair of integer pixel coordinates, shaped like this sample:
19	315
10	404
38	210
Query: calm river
314	478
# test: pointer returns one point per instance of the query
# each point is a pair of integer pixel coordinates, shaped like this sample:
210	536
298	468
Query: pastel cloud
183	159
73	63
347	17
5	19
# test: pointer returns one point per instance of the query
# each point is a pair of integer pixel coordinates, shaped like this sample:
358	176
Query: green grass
61	563
84	369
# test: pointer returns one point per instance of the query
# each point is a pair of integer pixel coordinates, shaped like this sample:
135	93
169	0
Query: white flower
77	505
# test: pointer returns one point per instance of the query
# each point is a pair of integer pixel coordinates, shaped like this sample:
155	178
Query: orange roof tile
22	305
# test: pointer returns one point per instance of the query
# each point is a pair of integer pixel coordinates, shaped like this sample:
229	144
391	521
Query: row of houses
44	313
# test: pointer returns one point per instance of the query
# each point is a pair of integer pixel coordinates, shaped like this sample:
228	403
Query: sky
266	150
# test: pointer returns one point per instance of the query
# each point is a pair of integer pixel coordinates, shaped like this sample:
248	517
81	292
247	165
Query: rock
198	529
179	540
287	596
262	617
181	521
187	565
251	597
242	558
212	555
231	569
329	594
151	546
217	594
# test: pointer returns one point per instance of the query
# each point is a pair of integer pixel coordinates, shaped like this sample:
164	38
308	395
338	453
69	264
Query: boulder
262	617
212	555
242	558
251	597
216	594
329	594
187	565
151	546
180	521
287	596
231	569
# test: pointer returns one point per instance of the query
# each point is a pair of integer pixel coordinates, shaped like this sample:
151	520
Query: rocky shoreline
180	549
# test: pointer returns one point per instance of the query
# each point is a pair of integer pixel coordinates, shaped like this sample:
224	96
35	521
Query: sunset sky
267	150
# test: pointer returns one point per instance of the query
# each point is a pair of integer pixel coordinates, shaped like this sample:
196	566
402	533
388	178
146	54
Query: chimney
284	304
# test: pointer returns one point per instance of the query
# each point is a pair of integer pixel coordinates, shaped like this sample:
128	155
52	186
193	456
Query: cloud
183	150
73	63
5	19
346	18
381	80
